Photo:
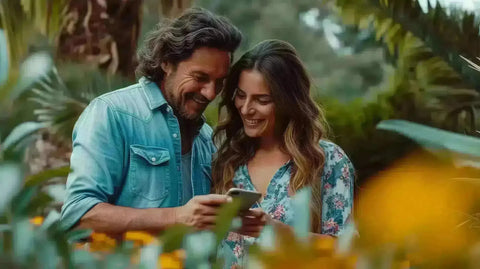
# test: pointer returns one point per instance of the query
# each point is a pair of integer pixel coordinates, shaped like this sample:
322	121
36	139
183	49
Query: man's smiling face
193	83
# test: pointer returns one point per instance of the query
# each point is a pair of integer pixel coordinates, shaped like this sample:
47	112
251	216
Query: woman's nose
246	108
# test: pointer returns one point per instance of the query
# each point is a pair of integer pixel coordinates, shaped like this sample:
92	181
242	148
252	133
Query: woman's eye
265	101
240	94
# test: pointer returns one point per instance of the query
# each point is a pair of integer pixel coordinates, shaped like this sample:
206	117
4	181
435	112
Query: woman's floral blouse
337	192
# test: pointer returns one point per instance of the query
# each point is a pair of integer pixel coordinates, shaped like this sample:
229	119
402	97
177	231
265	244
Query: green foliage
302	221
427	48
3	58
45	175
433	138
19	133
22	20
10	183
327	66
224	221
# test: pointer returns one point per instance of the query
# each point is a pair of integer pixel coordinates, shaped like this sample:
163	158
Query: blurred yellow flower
172	260
37	221
319	252
416	205
101	242
140	238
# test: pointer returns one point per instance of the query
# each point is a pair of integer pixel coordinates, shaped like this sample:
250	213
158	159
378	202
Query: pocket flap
153	155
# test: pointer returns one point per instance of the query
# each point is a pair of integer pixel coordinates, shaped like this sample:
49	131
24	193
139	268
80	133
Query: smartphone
247	198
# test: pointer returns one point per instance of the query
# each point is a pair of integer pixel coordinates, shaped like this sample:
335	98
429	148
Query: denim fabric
127	152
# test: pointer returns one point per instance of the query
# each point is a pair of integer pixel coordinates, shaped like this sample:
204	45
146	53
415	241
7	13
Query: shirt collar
153	93
156	100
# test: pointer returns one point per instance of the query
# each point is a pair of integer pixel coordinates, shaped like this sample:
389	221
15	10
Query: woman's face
255	105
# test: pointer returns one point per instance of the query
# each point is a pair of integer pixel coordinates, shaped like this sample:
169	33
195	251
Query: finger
208	210
252	234
212	199
202	227
257	212
251	228
208	220
253	221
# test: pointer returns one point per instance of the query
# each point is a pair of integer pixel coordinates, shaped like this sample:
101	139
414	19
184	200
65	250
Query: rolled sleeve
97	162
338	194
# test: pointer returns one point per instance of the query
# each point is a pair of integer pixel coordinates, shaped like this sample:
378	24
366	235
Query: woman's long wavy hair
299	124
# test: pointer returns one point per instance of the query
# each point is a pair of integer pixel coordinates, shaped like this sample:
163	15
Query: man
141	155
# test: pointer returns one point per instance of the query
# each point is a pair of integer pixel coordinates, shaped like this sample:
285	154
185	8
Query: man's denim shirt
127	152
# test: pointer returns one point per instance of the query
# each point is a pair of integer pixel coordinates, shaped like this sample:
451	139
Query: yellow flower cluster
417	208
318	252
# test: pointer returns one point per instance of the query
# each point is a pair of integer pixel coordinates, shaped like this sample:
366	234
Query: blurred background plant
370	60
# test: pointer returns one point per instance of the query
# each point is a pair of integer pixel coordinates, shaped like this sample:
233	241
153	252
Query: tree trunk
173	8
102	33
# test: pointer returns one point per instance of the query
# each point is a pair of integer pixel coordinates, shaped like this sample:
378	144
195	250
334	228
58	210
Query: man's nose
208	91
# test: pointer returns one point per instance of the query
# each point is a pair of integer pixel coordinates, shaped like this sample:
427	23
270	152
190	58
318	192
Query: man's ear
167	68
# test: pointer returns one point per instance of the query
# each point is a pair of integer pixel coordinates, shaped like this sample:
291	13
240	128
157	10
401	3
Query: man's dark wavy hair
175	41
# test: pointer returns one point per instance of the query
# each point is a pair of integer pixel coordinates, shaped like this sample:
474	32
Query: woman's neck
269	144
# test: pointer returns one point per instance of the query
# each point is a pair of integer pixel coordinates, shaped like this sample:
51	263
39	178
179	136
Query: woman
272	140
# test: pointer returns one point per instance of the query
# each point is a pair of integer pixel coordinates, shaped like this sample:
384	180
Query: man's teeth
200	101
252	122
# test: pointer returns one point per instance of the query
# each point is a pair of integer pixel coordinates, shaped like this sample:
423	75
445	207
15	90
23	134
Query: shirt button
178	167
154	159
168	109
175	135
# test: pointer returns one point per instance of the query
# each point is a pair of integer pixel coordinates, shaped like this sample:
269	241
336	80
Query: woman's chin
252	133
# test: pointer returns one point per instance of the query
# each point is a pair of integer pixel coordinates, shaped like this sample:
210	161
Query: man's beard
176	102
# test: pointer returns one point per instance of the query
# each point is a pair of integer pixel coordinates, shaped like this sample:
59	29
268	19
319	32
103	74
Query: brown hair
299	122
175	41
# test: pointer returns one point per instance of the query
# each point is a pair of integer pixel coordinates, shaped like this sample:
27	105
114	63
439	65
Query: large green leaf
224	220
52	218
19	133
433	138
32	70
22	200
10	183
3	58
300	205
78	234
83	259
46	254
149	256
23	239
199	247
172	238
45	175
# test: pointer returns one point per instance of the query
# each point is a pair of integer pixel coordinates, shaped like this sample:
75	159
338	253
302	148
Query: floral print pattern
337	192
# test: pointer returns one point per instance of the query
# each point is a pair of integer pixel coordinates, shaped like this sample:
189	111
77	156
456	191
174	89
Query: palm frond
63	97
425	46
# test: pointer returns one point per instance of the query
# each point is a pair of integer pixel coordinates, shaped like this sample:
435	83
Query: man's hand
253	222
201	211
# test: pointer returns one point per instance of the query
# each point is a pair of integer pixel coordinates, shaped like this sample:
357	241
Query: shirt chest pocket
149	173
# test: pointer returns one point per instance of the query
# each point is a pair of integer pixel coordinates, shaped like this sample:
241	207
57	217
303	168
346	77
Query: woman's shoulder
334	154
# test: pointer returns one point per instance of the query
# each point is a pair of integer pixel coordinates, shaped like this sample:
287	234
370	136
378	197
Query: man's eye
201	78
